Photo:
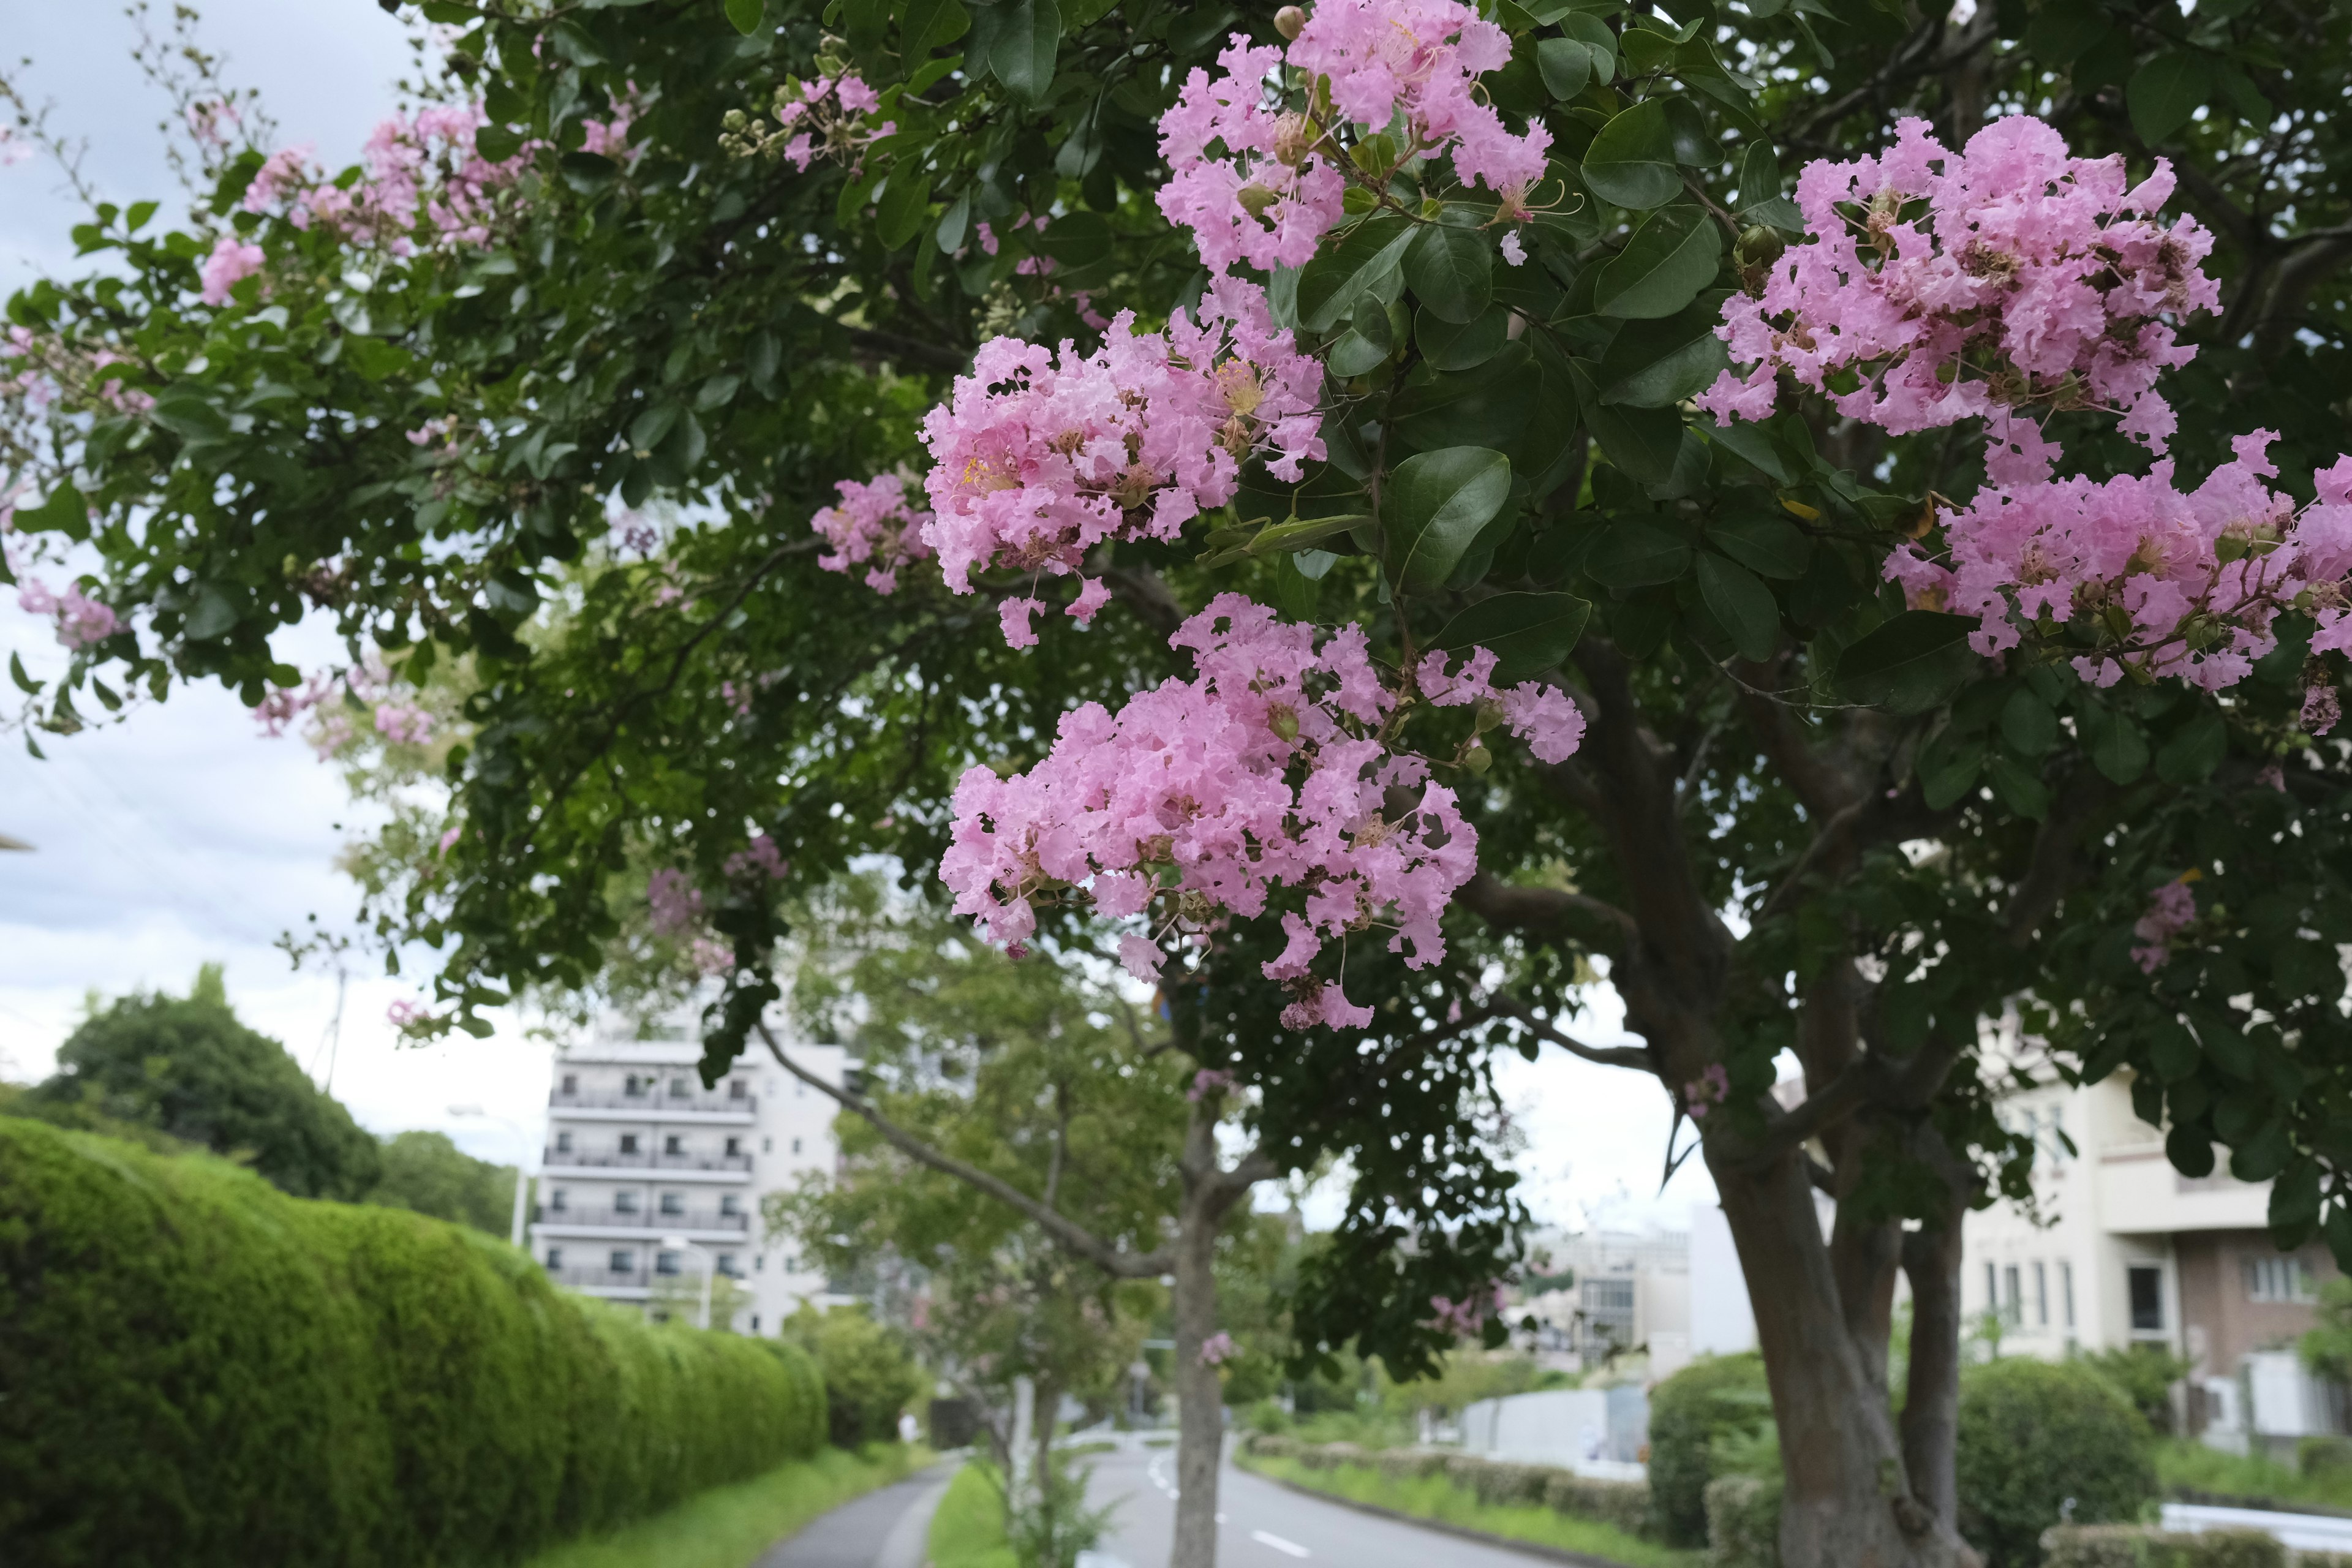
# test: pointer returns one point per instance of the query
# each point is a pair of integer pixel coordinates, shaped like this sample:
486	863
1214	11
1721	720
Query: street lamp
523	1164
679	1243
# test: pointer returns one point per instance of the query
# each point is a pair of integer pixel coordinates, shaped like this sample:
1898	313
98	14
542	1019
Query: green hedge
2033	1435
199	1370
1712	1397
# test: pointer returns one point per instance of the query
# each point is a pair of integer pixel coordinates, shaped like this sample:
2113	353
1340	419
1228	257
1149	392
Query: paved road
884	1529
1265	1526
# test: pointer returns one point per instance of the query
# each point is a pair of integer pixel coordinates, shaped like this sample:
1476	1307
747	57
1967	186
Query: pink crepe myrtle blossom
875	525
2272	776
2033	280
1218	1349
448	839
405	1013
82	622
1706	1091
827	118
2322	710
1210	1083
1258	177
675	903
708	955
1036	459
231	261
210	121
1271	768
2172	909
759	858
2168	583
12	148
1469	1315
403	723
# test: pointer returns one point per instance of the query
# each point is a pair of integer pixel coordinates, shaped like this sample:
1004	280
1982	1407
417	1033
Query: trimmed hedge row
196	1370
1624	1504
2149	1546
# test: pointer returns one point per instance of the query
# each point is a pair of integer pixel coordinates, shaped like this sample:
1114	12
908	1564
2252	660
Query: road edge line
1460	1531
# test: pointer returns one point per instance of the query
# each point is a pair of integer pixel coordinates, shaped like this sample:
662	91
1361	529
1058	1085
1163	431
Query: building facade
641	1156
1618	1291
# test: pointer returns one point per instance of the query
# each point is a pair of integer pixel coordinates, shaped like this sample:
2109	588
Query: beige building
1621	1293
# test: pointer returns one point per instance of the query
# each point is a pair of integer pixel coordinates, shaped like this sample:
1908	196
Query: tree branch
1606	1056
2050	871
1110	1260
935	356
1549	913
1141	590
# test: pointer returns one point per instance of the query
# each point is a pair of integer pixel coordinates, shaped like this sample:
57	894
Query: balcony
689	1221
652	1105
688	1166
594	1277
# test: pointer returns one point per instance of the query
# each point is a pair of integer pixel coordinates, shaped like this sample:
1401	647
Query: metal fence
646	1161
644	1219
655	1102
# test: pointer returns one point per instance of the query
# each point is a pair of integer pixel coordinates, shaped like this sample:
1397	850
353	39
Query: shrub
2033	1433
1743	1523
204	1371
870	1377
2145	1546
2316	1457
2145	1375
1623	1504
1713	1396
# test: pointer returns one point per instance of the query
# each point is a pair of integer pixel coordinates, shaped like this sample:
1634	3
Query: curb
1459	1532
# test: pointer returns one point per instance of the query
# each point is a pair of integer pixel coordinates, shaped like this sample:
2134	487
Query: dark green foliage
1743	1522
2033	1433
202	1370
185	1067
2145	1375
869	1376
1710	1398
429	1174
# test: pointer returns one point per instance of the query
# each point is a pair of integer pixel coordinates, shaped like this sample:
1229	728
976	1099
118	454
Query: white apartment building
641	1155
2129	1251
1628	1290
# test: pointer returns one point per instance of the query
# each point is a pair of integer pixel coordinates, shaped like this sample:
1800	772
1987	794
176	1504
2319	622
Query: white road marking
1290	1548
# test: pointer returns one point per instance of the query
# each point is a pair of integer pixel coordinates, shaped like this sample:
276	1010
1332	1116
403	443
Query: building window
680	1089
799	1088
560	1200
665	1262
755	1322
2042	1295
624	1203
673	1203
2066	1291
767	1145
737	1089
623	1261
1992	1289
759	1263
796	1146
554	1258
791	1265
734	1146
729	1204
673	1144
2144	1285
635	1087
628	1142
571	1083
563	1143
2012	1311
727	1266
2277	1279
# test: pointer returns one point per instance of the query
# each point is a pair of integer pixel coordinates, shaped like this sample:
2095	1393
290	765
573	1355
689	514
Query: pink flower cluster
1037	458
1218	1349
2172	909
1273	767
82	621
761	859
1468	1315
2032	279
831	113
1258	180
1706	1091
2173	583
1209	1083
875	525
675	901
231	263
403	723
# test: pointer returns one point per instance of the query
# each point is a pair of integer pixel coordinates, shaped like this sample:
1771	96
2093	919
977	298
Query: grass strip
2186	1462
968	1531
729	1527
1441	1500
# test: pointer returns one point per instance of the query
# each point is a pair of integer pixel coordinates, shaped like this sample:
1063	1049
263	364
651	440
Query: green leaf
1457	345
1750	443
190	418
1741	604
2017	786
1910	664
1674	254
1028	39
212	617
1630	553
905	203
1527	633
1948	766
24	683
1594	34
2116	746
2295	1204
2063	29
1632	161
1296	595
2165	92
66	511
948	236
1767	545
1450	270
1566	65
136	219
745	15
497	143
1361	263
2028	725
1078	239
2190	1149
1434	507
1370	337
1641	442
1658	363
588	173
926	25
2190	756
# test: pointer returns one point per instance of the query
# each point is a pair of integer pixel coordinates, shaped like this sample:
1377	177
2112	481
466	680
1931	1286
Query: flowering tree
1498	536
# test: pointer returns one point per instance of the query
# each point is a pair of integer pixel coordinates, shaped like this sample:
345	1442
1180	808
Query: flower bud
1290	21
1294	136
1282	721
734	120
1759	246
1254	199
1479	759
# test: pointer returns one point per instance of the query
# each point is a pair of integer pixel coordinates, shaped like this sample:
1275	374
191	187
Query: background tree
1804	818
870	1377
184	1066
427	1172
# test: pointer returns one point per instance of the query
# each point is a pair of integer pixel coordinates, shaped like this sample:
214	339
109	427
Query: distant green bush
200	1370
1743	1522
870	1374
2035	1434
1713	1397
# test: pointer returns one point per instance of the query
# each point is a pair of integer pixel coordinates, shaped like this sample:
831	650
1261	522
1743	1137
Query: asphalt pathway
1262	1525
884	1529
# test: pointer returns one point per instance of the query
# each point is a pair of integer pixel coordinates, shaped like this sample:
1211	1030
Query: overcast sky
185	837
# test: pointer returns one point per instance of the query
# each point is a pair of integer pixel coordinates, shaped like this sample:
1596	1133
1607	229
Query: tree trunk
1847	1500
1200	1398
1931	1404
